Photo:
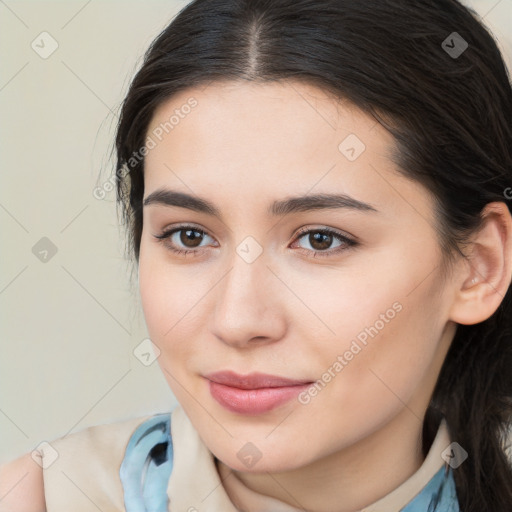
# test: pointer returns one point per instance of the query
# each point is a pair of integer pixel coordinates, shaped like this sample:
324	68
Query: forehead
288	118
266	139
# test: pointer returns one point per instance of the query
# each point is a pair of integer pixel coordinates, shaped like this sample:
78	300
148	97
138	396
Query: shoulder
21	486
98	441
70	470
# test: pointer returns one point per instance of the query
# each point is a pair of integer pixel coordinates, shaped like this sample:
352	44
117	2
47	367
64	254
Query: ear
487	274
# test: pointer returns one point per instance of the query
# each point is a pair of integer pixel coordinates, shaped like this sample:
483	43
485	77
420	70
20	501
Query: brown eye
183	239
190	238
321	241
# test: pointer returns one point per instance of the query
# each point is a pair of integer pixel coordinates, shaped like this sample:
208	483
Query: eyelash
347	243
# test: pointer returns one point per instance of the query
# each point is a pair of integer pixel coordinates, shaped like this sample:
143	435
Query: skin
291	313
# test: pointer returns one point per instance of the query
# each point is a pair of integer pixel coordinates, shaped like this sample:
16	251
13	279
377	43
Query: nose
249	305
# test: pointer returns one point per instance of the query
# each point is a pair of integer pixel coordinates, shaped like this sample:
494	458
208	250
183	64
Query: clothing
126	463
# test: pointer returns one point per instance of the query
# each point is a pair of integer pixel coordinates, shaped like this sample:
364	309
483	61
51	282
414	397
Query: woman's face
362	312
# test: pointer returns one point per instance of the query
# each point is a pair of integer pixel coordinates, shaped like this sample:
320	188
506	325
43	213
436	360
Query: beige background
69	326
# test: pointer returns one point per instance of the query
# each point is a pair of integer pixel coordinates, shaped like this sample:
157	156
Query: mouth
255	393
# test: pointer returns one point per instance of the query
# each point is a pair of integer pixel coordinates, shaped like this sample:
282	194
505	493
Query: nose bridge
246	308
242	287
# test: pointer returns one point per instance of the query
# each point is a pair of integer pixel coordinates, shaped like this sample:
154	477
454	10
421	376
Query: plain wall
69	324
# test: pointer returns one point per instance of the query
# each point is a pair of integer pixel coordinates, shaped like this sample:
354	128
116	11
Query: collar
166	462
200	485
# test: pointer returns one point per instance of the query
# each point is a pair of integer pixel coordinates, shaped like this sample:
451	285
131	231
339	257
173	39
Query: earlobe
488	271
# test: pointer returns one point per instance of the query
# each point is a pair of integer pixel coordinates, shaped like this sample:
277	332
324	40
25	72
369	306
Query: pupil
318	237
188	236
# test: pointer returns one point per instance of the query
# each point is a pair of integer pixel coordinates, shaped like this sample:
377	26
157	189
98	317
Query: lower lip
253	401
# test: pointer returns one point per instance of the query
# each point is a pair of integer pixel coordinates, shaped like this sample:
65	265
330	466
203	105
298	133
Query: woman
317	198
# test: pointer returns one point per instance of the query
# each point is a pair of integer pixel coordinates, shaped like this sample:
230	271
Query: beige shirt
85	475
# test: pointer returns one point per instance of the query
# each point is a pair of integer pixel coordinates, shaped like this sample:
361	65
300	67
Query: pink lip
255	393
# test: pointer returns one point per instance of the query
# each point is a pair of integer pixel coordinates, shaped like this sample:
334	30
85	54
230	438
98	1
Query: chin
262	458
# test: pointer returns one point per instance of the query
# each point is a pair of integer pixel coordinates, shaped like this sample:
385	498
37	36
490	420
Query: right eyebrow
166	197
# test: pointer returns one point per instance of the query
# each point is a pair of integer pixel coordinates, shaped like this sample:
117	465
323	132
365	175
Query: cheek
165	291
338	305
167	312
394	366
385	332
154	294
173	300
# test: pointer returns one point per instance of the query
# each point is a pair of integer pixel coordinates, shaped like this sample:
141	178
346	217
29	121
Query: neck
350	479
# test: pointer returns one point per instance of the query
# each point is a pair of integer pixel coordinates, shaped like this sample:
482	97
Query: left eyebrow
318	202
305	203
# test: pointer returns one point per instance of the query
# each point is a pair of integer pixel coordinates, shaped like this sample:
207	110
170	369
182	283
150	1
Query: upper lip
253	380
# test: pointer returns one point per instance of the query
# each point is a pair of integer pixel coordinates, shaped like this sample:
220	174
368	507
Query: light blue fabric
148	460
439	491
147	466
